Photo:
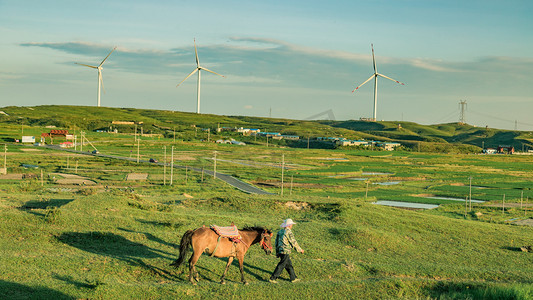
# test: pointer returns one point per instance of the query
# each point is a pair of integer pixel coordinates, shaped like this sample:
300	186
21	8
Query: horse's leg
192	268
230	260
241	267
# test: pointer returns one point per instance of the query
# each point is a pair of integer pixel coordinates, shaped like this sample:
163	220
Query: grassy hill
452	133
451	137
116	238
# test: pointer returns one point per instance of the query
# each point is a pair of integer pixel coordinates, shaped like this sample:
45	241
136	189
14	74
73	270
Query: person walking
285	242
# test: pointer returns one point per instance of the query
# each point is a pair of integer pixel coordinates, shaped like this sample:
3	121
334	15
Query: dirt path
72	179
527	222
510	204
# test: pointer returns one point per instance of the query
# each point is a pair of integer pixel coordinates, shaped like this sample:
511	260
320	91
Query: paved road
238	184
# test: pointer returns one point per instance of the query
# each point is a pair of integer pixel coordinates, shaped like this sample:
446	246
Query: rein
264	245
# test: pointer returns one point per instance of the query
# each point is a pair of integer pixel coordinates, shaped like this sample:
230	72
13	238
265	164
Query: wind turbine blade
196	53
202	68
94	67
195	70
106	57
374	75
390	79
374	59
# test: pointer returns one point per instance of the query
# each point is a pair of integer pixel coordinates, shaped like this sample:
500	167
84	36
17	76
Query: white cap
287	223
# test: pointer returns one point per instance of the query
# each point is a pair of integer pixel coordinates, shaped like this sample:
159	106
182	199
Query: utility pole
172	166
135	135
5	158
462	116
307	141
470	194
215	166
174	134
165	166
138	150
282	169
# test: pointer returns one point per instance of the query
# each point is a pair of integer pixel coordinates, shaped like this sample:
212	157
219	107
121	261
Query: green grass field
115	239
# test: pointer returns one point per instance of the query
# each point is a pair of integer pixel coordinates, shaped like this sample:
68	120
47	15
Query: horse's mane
255	228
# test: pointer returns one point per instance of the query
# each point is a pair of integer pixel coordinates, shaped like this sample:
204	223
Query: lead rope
218	242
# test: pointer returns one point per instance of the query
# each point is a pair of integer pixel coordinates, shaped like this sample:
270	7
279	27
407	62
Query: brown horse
204	239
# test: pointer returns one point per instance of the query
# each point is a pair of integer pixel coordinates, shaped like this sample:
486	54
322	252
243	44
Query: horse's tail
185	243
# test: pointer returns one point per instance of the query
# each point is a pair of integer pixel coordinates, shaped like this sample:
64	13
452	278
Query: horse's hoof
222	282
245	283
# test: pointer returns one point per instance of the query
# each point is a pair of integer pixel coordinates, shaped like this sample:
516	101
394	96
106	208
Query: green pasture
118	244
115	239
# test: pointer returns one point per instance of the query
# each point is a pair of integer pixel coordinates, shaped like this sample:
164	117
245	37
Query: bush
52	215
87	192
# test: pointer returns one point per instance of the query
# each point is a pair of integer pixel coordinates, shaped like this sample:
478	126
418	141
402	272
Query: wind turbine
375	76
100	79
198	69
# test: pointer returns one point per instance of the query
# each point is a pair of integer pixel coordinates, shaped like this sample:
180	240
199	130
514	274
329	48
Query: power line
501	119
447	116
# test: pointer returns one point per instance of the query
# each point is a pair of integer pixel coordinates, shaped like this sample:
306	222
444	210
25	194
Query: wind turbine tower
198	69
375	76
100	78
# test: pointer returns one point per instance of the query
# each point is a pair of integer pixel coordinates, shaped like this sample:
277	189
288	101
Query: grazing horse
205	239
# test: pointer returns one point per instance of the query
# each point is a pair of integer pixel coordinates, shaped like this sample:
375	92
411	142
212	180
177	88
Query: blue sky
297	59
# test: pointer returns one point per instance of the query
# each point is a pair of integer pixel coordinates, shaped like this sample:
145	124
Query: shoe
272	281
295	280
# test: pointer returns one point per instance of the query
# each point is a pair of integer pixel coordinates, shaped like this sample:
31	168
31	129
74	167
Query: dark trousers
284	263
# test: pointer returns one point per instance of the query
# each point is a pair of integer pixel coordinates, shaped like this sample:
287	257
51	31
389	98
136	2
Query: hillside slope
159	121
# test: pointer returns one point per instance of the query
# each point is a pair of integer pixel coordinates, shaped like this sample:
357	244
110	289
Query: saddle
230	232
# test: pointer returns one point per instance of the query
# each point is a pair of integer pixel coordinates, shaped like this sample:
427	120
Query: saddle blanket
230	232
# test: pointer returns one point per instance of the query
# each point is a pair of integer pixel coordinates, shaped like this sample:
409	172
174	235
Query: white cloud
10	76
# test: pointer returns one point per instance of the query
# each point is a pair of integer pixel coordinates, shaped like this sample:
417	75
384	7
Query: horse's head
266	241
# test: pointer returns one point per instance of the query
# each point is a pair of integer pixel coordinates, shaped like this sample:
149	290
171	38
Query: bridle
263	244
